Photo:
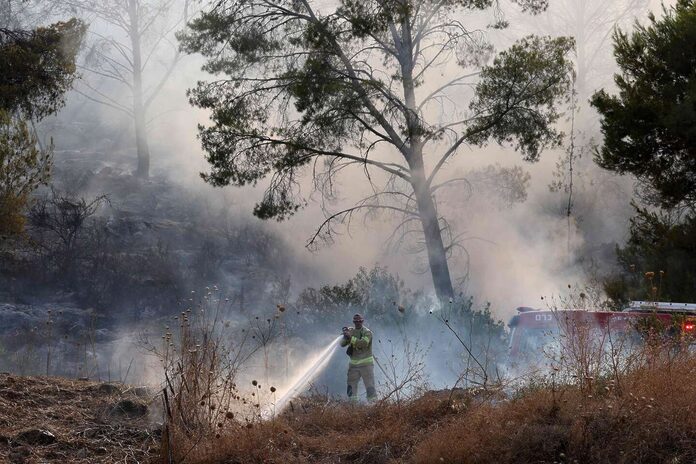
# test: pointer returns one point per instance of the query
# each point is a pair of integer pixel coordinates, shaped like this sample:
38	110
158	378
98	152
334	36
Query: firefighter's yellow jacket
360	343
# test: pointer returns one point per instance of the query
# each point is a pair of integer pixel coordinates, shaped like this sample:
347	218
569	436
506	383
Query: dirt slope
46	420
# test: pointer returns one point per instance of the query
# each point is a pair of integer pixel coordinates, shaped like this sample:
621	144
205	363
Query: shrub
23	167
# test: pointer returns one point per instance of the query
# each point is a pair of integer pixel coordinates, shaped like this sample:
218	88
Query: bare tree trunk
580	50
138	106
437	255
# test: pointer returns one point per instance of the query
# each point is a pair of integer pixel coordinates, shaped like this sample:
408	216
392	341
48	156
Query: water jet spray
309	371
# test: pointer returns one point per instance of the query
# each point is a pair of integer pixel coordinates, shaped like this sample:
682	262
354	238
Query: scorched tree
393	86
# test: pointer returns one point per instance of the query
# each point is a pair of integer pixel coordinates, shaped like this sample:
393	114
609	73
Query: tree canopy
650	131
132	53
307	87
657	263
650	126
38	66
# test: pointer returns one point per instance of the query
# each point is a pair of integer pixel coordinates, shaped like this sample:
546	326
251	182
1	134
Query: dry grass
78	414
633	405
651	419
314	430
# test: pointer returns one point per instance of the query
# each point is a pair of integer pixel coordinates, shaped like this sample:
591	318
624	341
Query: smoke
513	252
527	250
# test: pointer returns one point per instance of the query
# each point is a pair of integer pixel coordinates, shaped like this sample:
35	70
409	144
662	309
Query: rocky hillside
106	252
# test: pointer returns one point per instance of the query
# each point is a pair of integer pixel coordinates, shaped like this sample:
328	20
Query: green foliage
300	85
366	18
650	131
23	167
650	126
478	324
37	67
386	302
376	293
658	260
308	87
519	92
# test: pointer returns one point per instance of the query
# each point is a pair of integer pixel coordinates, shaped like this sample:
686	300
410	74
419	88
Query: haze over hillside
215	216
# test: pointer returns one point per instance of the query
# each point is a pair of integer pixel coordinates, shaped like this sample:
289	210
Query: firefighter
361	366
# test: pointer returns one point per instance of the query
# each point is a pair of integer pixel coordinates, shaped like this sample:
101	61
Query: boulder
35	437
128	408
108	389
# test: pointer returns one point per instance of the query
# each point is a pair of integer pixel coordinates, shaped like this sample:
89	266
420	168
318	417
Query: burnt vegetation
110	257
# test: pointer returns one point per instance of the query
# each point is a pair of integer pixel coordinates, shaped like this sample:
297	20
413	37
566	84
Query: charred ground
50	419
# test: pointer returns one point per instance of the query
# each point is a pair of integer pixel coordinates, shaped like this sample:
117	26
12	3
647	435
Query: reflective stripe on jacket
361	342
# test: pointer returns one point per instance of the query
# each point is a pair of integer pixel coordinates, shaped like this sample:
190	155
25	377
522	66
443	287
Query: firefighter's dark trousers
367	374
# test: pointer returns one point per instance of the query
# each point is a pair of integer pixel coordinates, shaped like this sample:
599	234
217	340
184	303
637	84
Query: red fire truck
534	330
